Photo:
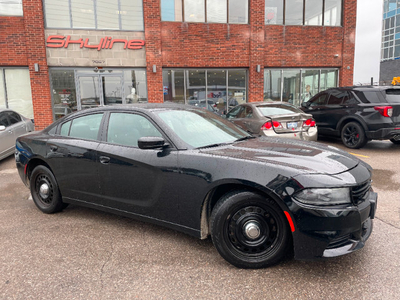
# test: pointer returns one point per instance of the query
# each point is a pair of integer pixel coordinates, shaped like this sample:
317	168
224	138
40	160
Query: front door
99	89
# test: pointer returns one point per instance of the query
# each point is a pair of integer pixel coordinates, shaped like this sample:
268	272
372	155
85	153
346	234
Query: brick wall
202	45
12	42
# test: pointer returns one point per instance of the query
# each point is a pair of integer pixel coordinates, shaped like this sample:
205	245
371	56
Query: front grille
360	192
339	241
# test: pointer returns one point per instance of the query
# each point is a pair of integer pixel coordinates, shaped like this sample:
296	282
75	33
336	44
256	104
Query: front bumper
330	232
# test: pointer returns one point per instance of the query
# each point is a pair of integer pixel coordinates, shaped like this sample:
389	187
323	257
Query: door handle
53	148
104	160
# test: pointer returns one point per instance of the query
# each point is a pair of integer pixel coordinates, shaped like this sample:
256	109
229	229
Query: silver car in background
12	125
279	119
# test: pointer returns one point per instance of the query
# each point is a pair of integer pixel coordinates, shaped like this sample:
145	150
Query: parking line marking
359	155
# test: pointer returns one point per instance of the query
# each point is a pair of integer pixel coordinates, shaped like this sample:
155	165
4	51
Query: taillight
269	124
309	122
386	111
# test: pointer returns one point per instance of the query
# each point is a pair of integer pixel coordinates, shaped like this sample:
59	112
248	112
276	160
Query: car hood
303	157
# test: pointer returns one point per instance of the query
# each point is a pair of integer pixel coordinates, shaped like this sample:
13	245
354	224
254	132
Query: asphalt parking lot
87	254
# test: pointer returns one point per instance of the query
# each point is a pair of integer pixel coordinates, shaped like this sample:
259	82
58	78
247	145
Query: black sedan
193	171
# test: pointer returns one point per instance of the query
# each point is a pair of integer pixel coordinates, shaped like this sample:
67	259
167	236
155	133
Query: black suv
357	114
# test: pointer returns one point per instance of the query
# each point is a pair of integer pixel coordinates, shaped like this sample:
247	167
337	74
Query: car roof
365	88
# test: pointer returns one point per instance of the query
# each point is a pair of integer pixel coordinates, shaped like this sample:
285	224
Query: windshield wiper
245	138
214	145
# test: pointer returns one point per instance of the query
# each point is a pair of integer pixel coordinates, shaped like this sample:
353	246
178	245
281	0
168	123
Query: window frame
15	15
205	14
304	15
95	19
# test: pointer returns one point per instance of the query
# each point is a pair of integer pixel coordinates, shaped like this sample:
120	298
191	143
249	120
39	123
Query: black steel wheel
249	230
353	135
396	142
44	190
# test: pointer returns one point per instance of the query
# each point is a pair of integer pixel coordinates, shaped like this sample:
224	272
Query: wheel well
33	164
214	195
346	121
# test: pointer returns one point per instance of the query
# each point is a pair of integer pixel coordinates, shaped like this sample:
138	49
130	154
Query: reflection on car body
190	170
274	119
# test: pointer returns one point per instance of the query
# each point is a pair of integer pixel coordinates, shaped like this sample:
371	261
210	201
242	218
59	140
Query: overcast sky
368	41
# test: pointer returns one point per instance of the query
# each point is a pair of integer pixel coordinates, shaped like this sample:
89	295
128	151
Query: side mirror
2	127
151	142
305	104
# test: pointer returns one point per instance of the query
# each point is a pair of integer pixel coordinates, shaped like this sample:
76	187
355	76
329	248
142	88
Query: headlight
324	196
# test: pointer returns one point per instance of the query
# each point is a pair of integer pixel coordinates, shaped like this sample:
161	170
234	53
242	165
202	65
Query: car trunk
289	123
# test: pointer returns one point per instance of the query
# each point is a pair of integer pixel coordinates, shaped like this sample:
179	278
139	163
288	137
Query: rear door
316	106
72	155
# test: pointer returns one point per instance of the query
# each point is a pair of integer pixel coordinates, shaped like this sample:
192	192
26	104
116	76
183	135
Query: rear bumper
310	135
330	232
384	134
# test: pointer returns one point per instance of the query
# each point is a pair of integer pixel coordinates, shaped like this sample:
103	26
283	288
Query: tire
396	142
264	220
353	135
45	191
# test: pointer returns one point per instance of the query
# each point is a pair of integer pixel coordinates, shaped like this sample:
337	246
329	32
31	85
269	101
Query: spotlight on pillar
36	66
154	69
258	68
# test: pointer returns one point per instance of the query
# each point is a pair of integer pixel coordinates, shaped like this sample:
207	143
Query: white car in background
12	125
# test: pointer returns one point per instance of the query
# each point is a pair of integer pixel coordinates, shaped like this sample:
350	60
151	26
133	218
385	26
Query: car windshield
201	129
277	110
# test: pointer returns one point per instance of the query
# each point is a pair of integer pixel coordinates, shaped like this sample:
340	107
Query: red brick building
58	56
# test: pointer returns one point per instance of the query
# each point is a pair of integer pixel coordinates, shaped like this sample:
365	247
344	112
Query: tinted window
393	95
320	100
201	129
277	110
248	113
370	97
86	127
14	117
337	97
350	100
126	129
4	120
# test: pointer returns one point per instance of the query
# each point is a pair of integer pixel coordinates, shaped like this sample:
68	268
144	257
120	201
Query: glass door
99	89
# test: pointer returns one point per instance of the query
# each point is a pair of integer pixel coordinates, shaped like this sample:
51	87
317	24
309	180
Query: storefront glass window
291	87
313	12
237	87
135	86
298	85
64	92
333	13
94	14
310	81
216	11
11	8
19	95
194	10
272	85
216	89
238	11
171	10
173	86
195	87
274	12
196	84
85	88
